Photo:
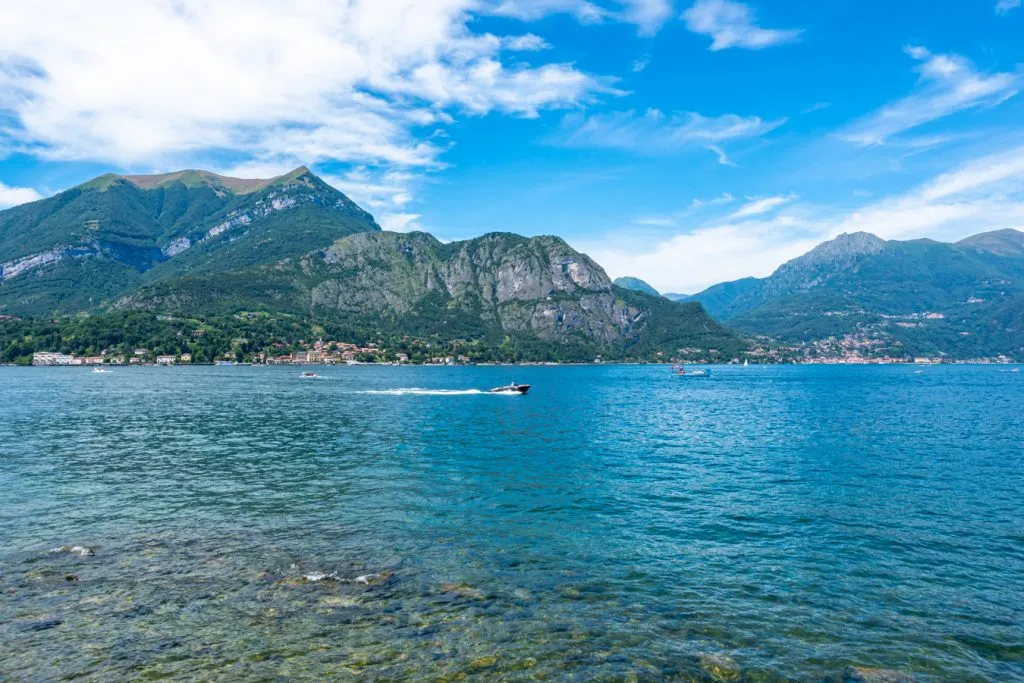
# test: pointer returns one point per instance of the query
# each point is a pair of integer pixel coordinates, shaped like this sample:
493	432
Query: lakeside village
849	350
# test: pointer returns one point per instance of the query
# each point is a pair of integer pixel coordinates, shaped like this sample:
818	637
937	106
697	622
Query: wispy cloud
1004	6
733	24
647	15
640	64
723	158
981	194
12	196
948	84
756	207
525	43
817	106
654	132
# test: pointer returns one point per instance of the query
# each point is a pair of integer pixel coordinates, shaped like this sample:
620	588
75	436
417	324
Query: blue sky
683	142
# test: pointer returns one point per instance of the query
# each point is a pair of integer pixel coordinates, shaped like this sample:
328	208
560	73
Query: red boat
511	389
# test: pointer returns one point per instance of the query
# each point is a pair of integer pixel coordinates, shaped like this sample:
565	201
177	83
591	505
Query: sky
685	142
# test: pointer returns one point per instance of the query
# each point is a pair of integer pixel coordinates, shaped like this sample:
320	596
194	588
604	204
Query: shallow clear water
769	523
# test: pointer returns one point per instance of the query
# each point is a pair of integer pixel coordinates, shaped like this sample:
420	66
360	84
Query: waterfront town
317	353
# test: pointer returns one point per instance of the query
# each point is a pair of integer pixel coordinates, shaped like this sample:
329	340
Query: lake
617	523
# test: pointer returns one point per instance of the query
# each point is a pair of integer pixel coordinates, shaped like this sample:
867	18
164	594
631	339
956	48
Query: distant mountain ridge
636	284
964	299
197	244
113	233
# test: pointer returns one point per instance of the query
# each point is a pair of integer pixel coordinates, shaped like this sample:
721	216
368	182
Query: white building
51	358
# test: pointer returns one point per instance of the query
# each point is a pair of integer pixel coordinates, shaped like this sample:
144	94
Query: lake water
617	523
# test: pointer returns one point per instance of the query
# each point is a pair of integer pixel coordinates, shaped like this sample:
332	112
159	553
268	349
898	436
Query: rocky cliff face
497	284
539	285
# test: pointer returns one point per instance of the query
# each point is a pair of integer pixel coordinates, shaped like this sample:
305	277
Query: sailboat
746	363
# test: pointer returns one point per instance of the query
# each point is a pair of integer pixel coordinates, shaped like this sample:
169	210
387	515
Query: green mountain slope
922	296
93	242
636	284
485	288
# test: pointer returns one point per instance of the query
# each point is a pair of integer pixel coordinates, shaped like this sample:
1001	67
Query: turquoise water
618	523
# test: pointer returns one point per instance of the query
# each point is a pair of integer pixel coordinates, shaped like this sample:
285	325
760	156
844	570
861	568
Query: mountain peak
192	177
844	247
1007	242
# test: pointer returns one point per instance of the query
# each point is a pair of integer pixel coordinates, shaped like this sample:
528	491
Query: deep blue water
618	523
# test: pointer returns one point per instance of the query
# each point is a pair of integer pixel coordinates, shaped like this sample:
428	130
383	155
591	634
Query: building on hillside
93	360
166	360
51	358
141	352
186	358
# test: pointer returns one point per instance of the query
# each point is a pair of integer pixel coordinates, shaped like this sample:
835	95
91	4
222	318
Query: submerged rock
484	662
866	674
374	579
463	590
720	667
80	550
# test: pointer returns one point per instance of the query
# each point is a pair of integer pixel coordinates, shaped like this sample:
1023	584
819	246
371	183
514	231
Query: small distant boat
511	389
746	363
680	371
101	371
1015	370
309	375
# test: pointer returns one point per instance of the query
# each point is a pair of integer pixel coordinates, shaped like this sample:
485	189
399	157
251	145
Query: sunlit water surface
618	523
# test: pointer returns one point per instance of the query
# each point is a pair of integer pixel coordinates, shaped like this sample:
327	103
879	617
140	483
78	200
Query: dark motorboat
511	389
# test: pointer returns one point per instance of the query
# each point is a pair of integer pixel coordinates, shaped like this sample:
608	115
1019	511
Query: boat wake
414	391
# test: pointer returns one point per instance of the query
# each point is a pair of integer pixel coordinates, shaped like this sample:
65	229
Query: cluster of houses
140	357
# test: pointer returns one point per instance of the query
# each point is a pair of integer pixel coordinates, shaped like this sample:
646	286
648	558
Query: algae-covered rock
484	662
720	667
463	591
866	674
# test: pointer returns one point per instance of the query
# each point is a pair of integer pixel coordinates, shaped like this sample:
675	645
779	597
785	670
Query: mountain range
194	243
963	299
82	247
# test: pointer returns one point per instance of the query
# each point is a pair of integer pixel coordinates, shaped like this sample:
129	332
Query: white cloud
640	64
723	158
733	24
647	15
400	222
12	196
724	198
948	84
1004	6
374	190
530	10
756	207
654	132
982	194
148	83
525	43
